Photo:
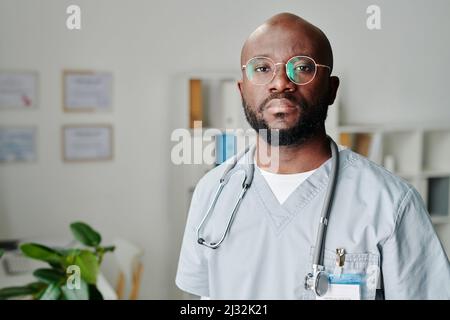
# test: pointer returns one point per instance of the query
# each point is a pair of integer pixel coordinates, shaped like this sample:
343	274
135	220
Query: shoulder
389	192
379	195
209	183
372	175
212	177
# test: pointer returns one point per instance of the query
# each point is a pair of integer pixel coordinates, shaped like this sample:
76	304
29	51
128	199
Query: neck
293	159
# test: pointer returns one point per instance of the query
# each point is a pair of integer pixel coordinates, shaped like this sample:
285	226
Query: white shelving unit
222	110
419	154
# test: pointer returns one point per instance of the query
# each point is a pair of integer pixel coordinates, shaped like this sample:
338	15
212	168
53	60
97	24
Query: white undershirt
282	185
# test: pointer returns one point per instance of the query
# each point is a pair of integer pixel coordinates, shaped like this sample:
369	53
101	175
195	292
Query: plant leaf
57	266
89	266
49	275
36	286
94	293
109	249
10	292
53	292
1	252
40	290
40	252
68	252
76	294
85	234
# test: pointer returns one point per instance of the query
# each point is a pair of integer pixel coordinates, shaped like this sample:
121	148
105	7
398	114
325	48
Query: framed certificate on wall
87	91
18	90
87	142
18	144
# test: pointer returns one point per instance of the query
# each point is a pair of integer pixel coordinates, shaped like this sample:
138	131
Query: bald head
286	29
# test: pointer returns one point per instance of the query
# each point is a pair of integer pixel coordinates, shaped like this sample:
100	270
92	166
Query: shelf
357	129
367	144
392	127
438	194
436	151
439	220
398	151
408	175
403	148
435	173
216	102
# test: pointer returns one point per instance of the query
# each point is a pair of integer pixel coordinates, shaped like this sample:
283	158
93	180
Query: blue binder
225	147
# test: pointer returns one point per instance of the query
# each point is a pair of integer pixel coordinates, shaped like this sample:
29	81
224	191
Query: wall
392	75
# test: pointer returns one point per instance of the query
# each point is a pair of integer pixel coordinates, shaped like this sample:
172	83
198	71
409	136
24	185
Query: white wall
396	74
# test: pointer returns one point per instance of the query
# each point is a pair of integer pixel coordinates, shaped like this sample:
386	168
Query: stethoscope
317	280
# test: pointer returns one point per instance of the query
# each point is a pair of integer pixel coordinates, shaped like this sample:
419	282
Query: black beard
310	122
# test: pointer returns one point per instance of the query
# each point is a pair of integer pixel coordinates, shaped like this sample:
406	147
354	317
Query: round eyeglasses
300	70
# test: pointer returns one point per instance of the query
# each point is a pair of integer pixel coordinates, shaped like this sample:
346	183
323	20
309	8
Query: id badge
343	287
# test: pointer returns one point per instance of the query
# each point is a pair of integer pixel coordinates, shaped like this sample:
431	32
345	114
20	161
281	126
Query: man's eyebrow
307	54
258	55
262	55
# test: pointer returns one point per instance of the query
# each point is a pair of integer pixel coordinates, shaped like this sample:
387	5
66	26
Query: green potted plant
72	272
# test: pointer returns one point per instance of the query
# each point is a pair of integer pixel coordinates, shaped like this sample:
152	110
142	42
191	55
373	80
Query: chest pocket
366	265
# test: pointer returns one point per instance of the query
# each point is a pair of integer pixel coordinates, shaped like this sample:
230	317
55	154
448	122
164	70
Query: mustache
280	95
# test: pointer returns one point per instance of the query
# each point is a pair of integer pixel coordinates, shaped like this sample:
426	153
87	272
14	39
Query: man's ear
240	83
334	85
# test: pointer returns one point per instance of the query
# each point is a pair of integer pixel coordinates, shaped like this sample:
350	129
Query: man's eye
303	69
262	69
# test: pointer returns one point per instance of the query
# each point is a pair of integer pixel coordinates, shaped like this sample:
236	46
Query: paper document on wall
18	90
17	144
87	91
87	143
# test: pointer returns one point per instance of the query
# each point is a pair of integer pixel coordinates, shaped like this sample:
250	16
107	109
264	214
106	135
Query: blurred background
150	67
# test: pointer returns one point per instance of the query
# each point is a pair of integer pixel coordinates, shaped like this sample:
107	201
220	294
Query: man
380	241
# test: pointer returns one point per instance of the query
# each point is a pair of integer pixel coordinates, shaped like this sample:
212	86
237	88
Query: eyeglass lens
300	70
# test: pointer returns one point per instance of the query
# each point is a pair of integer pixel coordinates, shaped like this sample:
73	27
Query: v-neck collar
282	214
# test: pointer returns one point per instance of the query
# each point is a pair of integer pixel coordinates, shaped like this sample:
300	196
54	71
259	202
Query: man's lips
280	106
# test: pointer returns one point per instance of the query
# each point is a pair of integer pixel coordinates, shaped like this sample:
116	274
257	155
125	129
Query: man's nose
281	82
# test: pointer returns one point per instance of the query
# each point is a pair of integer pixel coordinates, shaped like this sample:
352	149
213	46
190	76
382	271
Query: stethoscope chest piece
321	286
317	283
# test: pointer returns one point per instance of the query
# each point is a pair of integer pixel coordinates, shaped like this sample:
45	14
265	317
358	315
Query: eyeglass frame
244	67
